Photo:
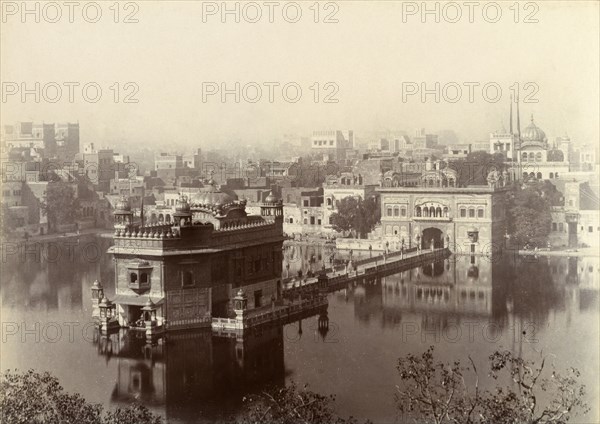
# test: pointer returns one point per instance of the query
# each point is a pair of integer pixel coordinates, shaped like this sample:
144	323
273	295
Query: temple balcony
433	218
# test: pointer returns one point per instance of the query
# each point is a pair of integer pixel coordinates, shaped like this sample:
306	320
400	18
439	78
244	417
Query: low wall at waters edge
359	244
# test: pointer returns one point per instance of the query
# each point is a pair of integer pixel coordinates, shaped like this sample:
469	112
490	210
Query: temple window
389	211
418	211
396	211
480	213
403	212
143	278
471	213
133	277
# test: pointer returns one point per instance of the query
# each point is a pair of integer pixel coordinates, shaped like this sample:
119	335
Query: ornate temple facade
436	212
183	273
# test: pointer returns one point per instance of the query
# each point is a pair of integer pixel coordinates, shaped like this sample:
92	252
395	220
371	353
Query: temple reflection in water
501	290
184	374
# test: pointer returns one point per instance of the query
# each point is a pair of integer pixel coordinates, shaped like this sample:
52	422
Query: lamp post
97	295
240	304
106	313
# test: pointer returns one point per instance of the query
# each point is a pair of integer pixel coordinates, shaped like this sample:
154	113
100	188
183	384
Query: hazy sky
369	54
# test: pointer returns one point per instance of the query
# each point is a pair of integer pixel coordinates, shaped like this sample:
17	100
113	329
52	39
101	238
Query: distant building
332	144
394	144
457	151
59	140
302	210
535	158
422	140
194	160
577	223
98	166
169	167
505	142
585	158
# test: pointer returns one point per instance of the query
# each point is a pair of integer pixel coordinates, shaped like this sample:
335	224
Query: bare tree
440	393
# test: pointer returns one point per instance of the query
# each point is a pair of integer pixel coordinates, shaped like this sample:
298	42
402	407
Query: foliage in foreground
290	405
436	392
430	392
33	398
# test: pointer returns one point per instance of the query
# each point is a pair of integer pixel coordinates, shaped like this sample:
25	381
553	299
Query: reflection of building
461	285
193	369
477	289
188	270
439	212
435	294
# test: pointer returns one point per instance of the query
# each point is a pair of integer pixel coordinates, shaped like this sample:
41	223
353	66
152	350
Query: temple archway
432	235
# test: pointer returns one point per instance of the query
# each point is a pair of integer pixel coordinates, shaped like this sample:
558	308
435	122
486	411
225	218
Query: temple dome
123	205
213	196
182	205
533	133
271	198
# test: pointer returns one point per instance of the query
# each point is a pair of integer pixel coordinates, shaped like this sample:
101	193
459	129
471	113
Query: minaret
511	126
518	120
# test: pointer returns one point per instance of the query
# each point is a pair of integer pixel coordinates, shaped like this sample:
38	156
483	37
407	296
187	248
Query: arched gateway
432	235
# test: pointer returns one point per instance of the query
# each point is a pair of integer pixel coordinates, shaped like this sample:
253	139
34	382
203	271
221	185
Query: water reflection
312	257
193	375
196	376
466	287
